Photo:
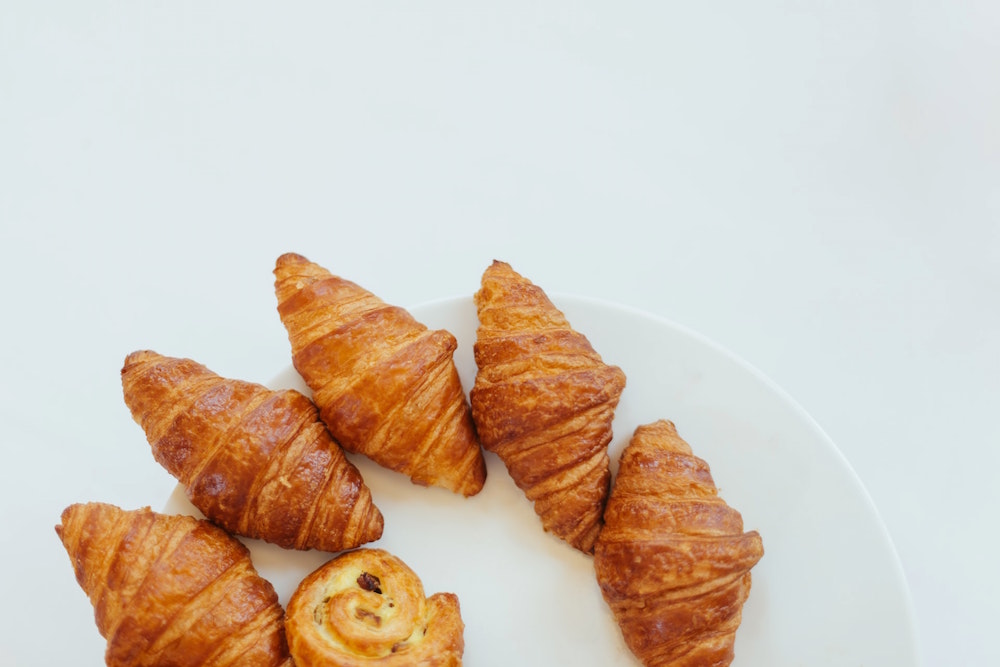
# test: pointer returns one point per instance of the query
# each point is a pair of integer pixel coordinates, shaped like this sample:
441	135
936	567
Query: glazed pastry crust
257	462
367	607
386	385
172	590
544	401
673	561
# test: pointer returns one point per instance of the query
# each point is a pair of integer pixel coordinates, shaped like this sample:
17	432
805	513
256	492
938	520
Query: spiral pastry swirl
367	607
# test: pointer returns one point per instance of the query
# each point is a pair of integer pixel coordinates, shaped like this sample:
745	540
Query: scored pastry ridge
256	461
544	402
386	385
673	560
172	590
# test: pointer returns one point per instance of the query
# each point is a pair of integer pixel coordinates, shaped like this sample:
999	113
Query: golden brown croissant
367	607
544	401
672	560
172	590
385	384
257	462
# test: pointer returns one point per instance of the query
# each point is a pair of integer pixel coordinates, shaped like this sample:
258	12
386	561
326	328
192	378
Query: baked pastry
172	590
257	462
367	607
544	401
385	384
673	561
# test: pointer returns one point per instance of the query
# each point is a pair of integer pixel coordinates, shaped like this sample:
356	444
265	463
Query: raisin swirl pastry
172	590
367	607
673	561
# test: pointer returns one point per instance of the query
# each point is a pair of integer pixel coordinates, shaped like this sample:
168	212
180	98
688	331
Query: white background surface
813	185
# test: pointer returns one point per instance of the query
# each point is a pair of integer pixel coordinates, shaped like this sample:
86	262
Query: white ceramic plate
829	590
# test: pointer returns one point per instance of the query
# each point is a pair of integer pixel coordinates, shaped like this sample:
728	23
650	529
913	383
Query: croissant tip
290	258
63	519
65	515
471	489
664	424
135	357
374	526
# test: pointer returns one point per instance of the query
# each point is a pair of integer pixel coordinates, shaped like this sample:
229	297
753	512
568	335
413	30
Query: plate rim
558	297
899	585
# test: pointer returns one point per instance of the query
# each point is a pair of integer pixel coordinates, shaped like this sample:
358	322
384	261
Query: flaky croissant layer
258	462
172	590
544	401
367	607
386	385
673	561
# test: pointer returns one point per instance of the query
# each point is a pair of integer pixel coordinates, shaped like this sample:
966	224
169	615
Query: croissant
544	401
672	560
385	384
172	590
255	461
367	607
